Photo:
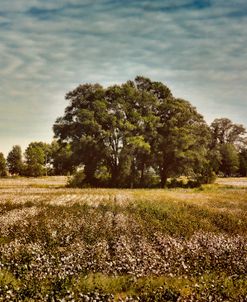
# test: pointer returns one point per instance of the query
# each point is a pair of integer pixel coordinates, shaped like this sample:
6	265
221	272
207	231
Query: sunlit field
61	244
233	181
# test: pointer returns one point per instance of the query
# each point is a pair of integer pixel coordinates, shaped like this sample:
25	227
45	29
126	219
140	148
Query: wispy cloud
197	47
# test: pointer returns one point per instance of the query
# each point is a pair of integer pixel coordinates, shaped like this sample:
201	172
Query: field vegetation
65	244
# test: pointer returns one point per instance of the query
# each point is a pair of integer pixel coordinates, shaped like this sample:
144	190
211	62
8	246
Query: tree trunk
142	175
163	177
114	177
163	181
89	171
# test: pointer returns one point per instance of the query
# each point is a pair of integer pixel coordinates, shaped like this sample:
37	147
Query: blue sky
197	47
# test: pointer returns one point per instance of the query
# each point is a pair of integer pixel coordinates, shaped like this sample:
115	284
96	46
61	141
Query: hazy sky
47	47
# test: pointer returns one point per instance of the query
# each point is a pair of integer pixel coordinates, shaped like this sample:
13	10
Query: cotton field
61	244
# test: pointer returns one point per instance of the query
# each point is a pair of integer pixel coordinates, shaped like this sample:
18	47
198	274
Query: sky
198	48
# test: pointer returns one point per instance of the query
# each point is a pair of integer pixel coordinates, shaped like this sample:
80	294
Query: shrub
77	180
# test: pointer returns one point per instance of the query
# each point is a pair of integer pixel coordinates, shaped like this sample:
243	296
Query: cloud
47	48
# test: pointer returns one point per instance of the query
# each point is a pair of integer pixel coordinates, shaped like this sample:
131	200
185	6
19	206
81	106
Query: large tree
14	160
113	124
180	144
131	129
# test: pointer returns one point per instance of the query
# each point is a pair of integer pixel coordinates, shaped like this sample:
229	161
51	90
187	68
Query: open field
60	244
233	181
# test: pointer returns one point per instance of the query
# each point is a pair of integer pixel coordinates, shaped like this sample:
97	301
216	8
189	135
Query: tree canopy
230	142
132	131
35	159
14	160
224	131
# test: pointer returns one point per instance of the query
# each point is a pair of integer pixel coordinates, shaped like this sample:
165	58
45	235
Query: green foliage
183	183
230	160
131	130
7	279
14	160
82	127
243	162
229	142
35	159
61	158
77	180
226	132
3	167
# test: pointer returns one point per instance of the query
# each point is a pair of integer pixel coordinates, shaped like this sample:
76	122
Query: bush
208	177
183	183
77	180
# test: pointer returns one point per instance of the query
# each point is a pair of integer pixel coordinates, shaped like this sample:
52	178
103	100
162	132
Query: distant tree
3	167
227	139
35	159
243	162
47	150
224	131
14	160
61	158
214	156
230	160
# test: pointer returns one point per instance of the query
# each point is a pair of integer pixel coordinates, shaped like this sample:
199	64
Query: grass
152	245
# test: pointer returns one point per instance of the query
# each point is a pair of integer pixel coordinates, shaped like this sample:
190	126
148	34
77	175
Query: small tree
14	160
35	159
3	168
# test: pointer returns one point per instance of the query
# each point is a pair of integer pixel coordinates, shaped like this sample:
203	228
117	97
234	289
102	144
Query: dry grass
61	244
233	181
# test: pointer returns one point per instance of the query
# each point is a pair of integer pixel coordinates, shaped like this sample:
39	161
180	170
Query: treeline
39	159
134	135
